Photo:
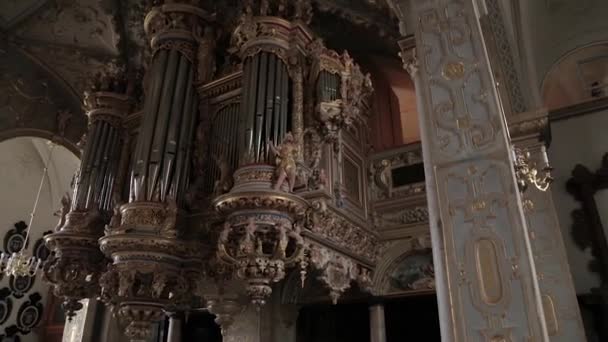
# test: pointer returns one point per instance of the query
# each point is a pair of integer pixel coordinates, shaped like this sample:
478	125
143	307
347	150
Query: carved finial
410	61
66	202
63	117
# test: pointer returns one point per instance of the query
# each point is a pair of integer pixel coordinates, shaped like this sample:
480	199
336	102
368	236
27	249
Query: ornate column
76	263
175	328
559	300
154	267
487	286
376	323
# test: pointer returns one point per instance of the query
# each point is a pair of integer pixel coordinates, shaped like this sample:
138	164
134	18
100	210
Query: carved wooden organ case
249	177
285	170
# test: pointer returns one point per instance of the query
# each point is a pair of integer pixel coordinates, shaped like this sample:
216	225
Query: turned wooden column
175	328
377	323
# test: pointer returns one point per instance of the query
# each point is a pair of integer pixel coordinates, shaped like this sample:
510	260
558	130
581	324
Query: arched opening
579	76
26	302
394	117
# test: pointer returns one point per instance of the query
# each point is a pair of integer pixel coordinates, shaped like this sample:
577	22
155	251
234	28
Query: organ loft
284	170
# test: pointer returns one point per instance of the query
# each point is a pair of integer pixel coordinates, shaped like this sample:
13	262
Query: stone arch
34	102
569	80
393	256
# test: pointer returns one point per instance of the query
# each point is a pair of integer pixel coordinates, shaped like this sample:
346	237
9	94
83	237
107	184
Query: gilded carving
286	168
453	71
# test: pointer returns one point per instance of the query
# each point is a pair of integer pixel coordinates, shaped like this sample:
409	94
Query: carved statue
169	228
66	202
264	8
206	54
63	117
282	242
125	281
224	184
88	103
223	238
159	284
247	244
116	218
285	161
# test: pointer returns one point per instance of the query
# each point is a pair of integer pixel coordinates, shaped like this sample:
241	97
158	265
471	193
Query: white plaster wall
21	168
579	140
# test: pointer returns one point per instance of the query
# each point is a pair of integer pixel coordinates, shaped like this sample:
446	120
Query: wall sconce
528	172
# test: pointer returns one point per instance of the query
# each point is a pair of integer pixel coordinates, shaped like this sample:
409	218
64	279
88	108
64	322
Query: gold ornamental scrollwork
453	71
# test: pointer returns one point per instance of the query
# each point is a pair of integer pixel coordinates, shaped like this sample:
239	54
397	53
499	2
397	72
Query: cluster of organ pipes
328	86
160	169
315	94
265	112
99	163
223	147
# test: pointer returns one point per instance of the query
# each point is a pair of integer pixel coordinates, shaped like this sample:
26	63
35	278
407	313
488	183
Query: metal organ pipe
153	96
171	143
162	122
284	114
162	163
183	142
261	98
328	85
264	113
99	163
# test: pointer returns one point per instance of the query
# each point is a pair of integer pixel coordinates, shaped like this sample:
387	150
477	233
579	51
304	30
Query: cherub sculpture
285	161
63	211
225	182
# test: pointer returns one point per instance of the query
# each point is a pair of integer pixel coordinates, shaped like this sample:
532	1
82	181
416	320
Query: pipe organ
235	182
265	113
163	148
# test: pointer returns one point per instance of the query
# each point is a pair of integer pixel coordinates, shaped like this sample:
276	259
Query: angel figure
285	161
283	241
116	218
63	211
169	227
223	184
247	244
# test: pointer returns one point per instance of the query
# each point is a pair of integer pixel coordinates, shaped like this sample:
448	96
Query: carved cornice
579	109
272	34
328	227
529	124
371	15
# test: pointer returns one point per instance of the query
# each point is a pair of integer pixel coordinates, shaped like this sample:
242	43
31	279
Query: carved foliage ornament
260	248
337	271
173	27
349	236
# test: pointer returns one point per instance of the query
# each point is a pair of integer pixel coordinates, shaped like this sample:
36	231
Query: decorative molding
15	238
529	124
6	305
581	109
30	314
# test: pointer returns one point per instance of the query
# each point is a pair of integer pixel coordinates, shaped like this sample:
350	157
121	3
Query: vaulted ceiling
62	44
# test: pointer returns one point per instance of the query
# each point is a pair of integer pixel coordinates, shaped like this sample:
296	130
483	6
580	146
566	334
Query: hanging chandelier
21	264
529	172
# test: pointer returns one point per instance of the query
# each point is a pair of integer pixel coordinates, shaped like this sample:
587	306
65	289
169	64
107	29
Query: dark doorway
334	323
201	327
412	319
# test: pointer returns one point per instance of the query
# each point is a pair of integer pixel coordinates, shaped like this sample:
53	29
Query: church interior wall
21	168
577	140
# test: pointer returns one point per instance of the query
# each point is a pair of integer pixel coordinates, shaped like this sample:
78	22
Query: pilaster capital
408	55
176	25
530	125
110	96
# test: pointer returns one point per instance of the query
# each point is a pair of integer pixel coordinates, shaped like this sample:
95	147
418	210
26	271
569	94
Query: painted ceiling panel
83	24
12	11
